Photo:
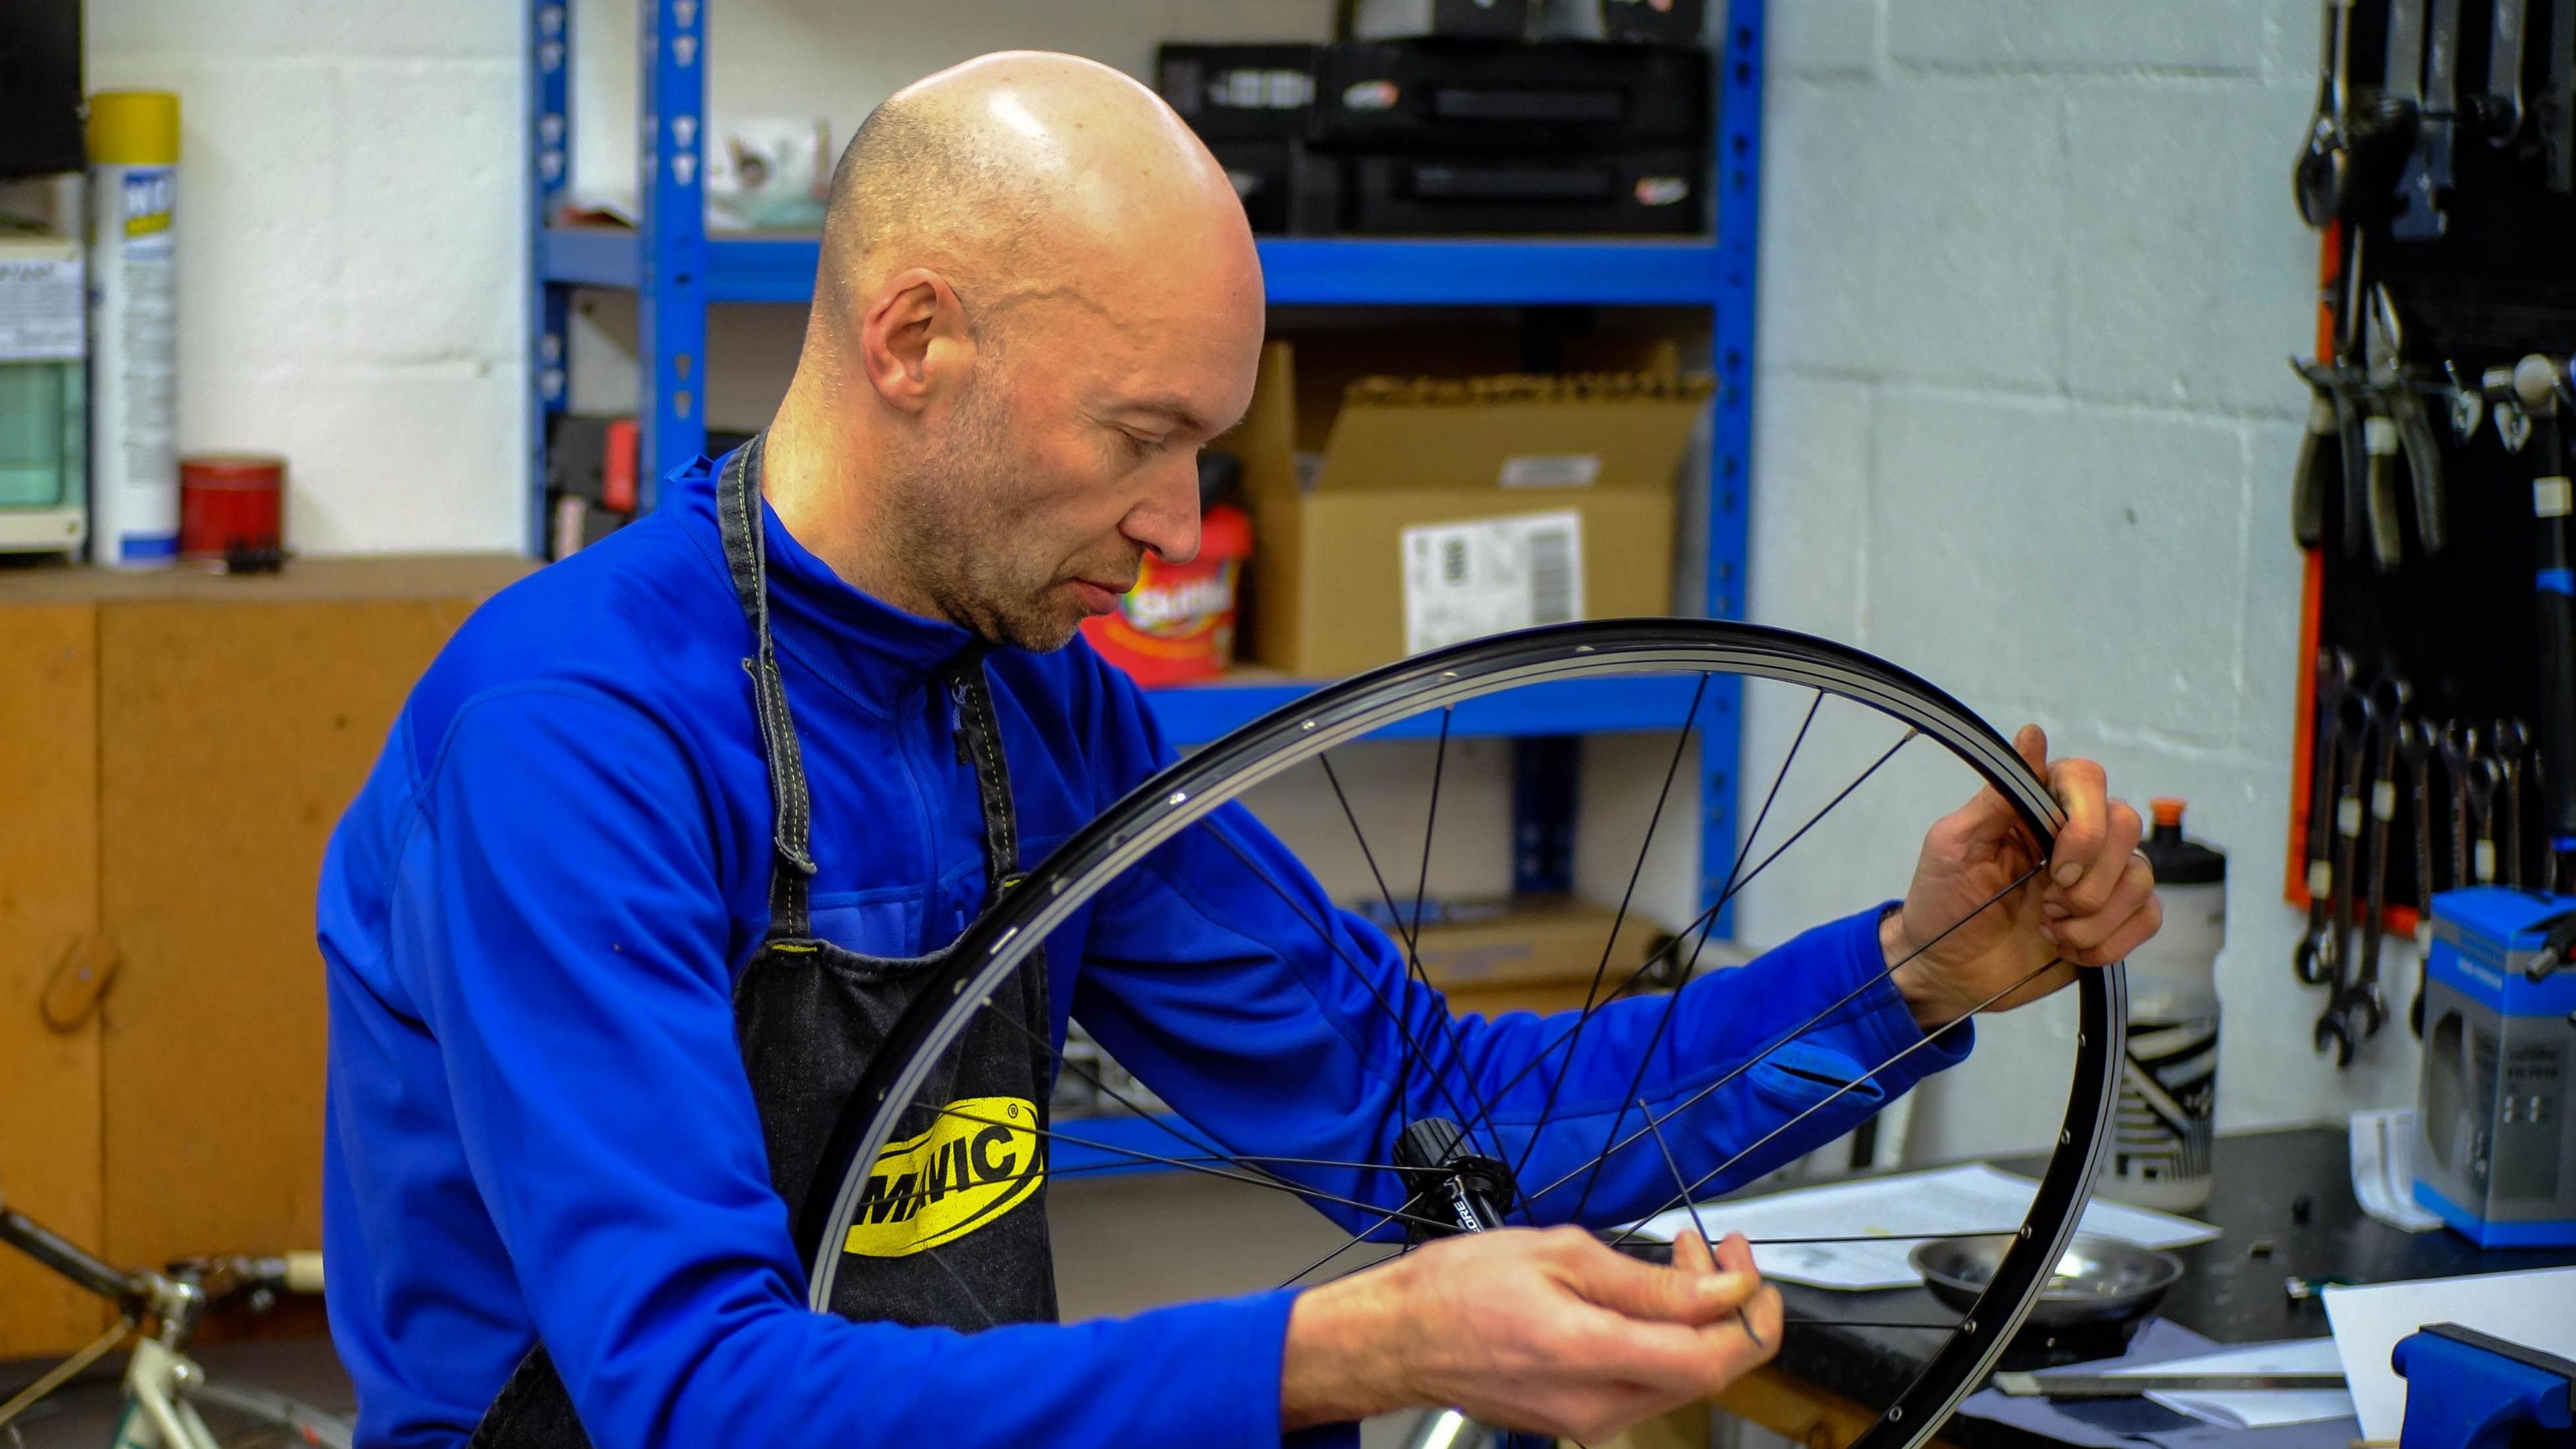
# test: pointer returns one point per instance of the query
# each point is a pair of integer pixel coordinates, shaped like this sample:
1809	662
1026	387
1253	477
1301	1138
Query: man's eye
1138	445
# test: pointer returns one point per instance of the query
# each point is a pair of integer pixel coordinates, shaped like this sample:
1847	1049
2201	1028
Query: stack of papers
1890	1215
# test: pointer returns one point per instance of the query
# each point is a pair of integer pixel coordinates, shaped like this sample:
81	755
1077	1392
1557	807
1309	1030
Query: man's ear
913	341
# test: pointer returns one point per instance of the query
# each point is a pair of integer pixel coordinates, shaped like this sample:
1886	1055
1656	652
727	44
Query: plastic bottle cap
134	128
2168	812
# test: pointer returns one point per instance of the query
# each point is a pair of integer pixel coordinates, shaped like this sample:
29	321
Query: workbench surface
2227	1293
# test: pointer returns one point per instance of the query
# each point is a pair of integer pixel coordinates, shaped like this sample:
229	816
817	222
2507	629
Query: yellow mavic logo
977	1162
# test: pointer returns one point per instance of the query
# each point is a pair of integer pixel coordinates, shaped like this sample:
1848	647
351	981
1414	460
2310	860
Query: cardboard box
1448	508
1534	941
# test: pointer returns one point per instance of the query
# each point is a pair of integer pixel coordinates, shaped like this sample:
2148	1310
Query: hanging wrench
2500	111
2334	680
2512	743
2459	747
2358	1009
2484	776
2352	733
2415	746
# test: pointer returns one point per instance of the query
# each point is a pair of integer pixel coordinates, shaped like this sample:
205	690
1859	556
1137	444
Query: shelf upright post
549	142
671	294
1739	191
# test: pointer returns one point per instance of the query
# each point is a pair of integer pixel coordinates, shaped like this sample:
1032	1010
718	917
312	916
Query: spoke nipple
2065	1139
1448	673
1968	1326
1582	648
1310	724
1896	1414
1178	797
2025	1230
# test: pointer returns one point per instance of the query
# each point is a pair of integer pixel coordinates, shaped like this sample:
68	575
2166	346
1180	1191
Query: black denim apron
951	1229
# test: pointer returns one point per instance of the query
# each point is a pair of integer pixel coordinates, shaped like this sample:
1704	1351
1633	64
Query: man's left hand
2095	902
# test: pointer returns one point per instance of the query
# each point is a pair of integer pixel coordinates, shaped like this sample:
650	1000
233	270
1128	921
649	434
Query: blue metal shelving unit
677	271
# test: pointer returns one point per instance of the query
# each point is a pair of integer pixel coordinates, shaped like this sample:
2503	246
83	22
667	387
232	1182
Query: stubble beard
952	525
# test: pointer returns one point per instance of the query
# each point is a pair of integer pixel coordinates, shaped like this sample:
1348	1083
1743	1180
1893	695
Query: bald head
1038	299
1028	174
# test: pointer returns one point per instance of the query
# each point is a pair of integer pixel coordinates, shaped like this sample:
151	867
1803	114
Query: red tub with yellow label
1177	624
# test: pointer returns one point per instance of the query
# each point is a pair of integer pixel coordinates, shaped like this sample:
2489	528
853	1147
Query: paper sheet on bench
1970	1198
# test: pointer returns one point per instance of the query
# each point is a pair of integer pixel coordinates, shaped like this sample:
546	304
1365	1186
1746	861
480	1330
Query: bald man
666	837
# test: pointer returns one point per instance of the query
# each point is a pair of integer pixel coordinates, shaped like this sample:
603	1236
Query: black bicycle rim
1178	796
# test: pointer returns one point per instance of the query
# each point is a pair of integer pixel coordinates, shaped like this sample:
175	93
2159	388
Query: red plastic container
1177	624
230	501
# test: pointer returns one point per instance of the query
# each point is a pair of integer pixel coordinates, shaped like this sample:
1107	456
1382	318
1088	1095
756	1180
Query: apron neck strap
977	729
746	549
978	733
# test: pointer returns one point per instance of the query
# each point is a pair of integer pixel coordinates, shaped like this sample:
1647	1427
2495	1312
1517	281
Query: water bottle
2168	1114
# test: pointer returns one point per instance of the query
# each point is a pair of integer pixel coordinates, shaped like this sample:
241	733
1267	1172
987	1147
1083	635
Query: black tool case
1549	97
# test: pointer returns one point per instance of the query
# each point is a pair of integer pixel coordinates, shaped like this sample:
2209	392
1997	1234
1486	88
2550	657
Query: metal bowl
2098	1279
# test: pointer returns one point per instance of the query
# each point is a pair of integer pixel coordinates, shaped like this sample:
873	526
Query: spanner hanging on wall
2358	1009
2312	957
2419	209
2415	745
2500	109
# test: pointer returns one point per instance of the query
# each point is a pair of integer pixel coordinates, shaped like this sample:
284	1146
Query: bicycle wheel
1712	663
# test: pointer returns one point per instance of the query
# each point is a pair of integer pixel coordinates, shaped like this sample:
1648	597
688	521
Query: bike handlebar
37	1242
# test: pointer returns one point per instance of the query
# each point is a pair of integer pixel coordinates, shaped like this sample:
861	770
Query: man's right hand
1545	1331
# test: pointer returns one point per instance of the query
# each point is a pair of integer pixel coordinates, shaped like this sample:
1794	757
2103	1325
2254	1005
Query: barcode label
1552	564
1467	580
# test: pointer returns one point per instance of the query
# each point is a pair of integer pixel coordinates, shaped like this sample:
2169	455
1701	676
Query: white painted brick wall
2030	271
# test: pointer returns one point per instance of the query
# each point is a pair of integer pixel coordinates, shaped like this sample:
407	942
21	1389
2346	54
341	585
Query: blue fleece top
539	1123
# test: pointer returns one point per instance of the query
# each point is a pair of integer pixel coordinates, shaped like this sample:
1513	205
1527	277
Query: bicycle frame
162	1384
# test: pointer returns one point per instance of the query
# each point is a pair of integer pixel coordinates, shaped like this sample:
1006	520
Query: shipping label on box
41	301
1467	580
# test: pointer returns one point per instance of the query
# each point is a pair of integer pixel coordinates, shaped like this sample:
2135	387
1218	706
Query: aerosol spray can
134	332
2160	1141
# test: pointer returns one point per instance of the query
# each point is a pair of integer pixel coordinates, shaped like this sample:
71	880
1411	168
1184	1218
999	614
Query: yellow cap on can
134	128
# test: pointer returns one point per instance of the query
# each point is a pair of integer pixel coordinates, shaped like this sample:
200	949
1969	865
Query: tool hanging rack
2439	693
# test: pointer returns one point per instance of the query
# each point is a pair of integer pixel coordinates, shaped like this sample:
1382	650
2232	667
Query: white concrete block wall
2030	270
350	262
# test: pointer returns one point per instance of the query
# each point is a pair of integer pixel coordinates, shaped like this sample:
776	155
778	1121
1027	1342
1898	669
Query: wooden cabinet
174	751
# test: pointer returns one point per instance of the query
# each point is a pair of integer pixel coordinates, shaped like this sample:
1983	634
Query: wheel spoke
964	1287
1951	1327
1592	1001
1164	1120
1251	1178
1810	1024
1706	918
1886	1237
1743	1319
1672	999
1359	972
1837	1093
1412	940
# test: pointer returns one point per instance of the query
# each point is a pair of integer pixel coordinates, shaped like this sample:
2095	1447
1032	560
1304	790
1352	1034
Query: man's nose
1166	519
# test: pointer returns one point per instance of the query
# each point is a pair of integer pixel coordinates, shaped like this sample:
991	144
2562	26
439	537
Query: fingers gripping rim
1189	790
